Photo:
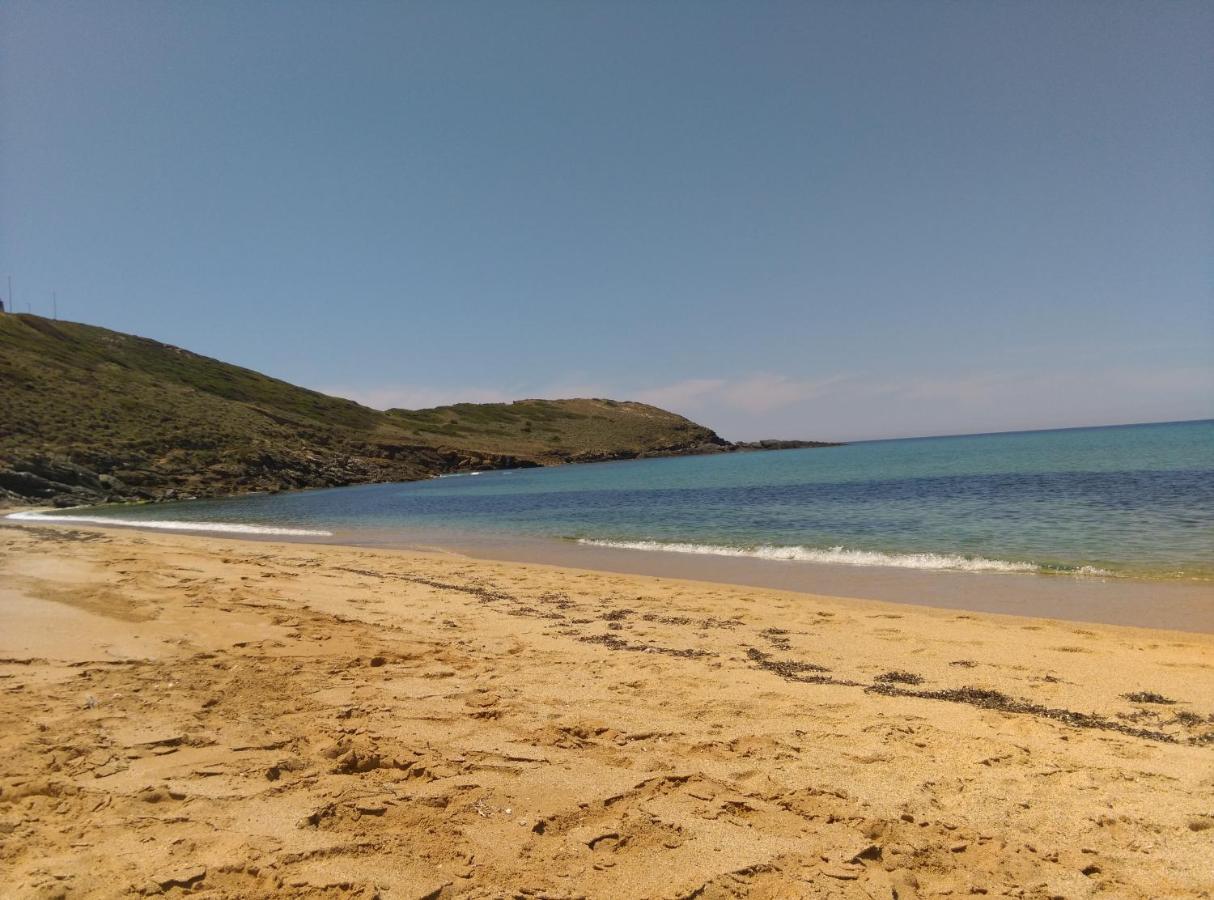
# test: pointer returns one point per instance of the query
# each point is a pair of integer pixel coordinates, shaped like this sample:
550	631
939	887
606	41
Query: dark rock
770	444
27	484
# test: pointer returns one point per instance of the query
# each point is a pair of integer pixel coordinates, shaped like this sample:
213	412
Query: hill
88	414
557	431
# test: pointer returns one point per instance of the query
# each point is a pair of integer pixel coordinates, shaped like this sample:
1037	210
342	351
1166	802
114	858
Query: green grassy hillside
88	414
550	431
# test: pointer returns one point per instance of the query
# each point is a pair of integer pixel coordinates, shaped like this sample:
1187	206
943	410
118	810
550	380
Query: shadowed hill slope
89	414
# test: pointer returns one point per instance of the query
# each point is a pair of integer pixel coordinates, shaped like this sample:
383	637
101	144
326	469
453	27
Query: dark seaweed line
481	593
614	643
791	670
988	699
488	595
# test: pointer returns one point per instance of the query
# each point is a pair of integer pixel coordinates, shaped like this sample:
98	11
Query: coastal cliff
89	415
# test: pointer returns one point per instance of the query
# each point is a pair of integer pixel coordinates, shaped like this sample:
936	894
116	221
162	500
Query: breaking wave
171	525
848	557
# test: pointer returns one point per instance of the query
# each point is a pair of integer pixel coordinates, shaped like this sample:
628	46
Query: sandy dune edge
236	719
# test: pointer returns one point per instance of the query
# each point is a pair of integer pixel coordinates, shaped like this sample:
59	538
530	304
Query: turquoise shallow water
1135	500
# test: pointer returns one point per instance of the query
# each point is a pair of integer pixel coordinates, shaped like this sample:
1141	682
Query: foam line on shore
171	525
845	556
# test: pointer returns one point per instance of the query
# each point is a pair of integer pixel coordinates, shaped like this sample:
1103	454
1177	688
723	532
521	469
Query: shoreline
298	719
1089	599
1173	604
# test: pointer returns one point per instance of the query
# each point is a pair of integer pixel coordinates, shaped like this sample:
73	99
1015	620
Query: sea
1133	501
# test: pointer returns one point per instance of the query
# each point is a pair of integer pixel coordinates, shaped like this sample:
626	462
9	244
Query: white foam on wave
841	556
172	525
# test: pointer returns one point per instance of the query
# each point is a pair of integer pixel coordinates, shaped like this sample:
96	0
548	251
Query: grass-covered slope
88	414
144	419
553	431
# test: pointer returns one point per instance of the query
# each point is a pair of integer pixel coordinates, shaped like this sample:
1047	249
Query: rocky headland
89	415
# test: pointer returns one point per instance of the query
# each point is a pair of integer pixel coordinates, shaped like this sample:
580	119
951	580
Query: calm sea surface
1133	500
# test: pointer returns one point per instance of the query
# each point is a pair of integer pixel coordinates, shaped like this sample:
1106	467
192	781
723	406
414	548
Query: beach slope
253	719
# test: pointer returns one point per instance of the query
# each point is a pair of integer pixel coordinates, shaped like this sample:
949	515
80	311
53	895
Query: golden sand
233	719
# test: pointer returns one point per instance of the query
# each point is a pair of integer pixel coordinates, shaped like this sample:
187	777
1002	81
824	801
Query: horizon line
926	437
842	441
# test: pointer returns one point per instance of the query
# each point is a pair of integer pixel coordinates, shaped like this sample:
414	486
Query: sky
832	220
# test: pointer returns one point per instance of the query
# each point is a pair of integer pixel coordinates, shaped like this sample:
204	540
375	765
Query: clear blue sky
834	219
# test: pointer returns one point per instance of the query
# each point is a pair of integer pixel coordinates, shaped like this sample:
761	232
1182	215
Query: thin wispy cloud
759	393
689	394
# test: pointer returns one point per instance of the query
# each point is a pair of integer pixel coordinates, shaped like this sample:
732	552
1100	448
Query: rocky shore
47	479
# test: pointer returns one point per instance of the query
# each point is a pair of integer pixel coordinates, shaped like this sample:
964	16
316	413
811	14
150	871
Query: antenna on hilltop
55	305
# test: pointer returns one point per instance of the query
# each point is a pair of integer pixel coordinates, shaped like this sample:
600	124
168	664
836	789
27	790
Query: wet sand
245	719
1176	605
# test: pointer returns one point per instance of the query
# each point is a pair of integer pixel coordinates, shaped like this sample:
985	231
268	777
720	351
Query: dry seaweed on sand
611	642
1184	717
1148	697
986	698
897	676
792	670
777	637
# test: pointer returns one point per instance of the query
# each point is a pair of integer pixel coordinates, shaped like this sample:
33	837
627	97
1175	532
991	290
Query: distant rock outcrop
772	444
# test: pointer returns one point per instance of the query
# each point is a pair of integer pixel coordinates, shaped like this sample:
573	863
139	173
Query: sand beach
606	451
230	719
